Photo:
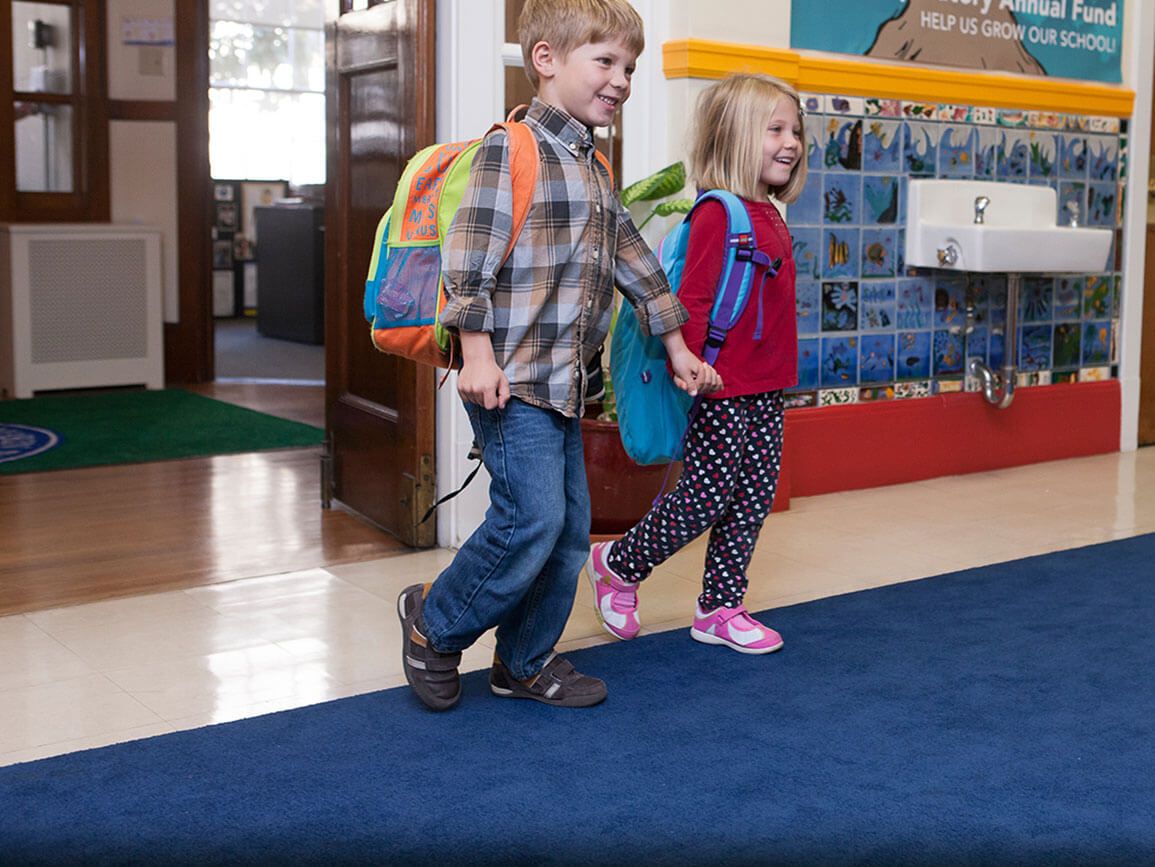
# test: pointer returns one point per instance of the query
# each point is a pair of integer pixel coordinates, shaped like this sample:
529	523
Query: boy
526	330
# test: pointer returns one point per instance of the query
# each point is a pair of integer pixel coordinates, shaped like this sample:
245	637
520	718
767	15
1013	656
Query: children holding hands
527	325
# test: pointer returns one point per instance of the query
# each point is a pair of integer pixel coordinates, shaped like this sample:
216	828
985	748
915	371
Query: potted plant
621	492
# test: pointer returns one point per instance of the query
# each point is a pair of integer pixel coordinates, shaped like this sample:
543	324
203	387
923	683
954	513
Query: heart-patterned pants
730	471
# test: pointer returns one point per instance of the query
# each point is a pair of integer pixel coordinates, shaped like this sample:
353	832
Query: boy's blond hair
726	148
569	24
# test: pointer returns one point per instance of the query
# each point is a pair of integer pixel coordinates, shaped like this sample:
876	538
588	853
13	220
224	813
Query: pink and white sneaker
615	600
734	628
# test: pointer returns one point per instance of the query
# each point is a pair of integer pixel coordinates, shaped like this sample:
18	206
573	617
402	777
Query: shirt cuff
468	314
662	314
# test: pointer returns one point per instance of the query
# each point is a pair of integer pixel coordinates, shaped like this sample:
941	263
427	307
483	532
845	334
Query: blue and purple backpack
653	413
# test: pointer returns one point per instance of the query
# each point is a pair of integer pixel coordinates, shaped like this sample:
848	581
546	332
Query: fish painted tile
879	253
912	355
840	252
876	358
839	361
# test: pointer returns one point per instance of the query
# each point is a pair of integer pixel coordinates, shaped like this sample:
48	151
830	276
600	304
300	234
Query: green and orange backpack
403	290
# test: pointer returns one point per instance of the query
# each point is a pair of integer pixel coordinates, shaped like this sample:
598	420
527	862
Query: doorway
268	281
267	155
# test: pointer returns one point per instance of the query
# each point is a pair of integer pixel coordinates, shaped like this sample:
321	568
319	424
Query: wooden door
1147	350
379	410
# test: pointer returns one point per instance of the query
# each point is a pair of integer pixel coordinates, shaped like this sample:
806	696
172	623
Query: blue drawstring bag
653	413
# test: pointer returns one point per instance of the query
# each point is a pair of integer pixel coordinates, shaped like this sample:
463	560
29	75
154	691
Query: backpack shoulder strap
523	167
737	277
605	161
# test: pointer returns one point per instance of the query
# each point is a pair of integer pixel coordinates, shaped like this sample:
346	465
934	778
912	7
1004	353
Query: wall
869	327
145	72
751	22
143	180
764	23
143	152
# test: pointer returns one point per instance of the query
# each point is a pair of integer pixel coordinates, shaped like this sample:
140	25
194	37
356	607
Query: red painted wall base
870	444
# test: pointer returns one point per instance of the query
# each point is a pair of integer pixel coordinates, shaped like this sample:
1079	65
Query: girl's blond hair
570	24
726	146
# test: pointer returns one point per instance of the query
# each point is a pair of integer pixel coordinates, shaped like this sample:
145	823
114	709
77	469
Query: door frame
469	37
1140	73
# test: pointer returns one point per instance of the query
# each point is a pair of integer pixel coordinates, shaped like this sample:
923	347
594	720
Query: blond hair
569	24
726	146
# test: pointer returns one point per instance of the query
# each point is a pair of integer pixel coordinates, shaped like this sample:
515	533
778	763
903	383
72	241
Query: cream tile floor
90	675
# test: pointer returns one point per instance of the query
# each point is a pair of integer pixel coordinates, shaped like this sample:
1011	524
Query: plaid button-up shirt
548	309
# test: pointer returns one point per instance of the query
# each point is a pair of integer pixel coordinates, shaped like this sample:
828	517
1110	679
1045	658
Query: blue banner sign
1081	39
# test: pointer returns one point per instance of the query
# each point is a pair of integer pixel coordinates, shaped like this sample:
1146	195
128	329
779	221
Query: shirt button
573	146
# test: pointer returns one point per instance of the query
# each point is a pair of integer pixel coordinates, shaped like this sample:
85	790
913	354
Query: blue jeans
519	569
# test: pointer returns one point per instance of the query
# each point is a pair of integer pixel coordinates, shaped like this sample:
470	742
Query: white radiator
80	307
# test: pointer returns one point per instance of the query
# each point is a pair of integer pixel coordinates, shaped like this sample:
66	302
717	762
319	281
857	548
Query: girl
748	140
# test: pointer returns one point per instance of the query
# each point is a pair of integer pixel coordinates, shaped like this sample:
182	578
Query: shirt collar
561	124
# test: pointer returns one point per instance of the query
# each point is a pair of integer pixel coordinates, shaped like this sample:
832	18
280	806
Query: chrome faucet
1072	206
947	255
981	203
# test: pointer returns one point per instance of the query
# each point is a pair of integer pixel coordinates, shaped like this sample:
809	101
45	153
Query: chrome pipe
981	205
999	388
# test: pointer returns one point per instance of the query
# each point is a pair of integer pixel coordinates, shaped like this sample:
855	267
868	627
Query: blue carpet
997	715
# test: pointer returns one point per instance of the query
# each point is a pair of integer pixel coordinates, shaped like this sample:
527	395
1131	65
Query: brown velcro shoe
558	683
432	674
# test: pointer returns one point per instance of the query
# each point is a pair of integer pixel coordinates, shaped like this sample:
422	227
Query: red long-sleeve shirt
746	365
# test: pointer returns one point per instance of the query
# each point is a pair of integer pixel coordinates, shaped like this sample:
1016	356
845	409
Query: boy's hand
693	375
480	380
485	385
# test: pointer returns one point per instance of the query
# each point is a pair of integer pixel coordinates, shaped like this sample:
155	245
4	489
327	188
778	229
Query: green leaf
660	184
674	206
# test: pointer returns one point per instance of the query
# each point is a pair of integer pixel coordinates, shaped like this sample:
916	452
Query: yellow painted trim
700	58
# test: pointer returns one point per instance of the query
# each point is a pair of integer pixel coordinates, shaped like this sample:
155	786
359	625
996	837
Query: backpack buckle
743	242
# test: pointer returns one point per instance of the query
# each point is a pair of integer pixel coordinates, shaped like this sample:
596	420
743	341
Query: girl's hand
693	375
709	378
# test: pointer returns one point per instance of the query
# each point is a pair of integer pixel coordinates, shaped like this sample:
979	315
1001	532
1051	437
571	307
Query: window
53	129
267	90
42	83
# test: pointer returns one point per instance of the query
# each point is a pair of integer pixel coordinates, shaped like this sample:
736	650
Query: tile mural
871	329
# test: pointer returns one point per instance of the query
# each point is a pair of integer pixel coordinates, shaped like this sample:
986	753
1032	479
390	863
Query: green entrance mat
125	427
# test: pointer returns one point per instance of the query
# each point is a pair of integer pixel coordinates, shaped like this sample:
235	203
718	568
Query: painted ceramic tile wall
871	328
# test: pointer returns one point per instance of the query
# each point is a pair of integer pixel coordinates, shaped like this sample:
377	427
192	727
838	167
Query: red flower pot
621	492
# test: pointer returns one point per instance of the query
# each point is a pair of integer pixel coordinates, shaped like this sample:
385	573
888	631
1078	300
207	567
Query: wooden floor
75	536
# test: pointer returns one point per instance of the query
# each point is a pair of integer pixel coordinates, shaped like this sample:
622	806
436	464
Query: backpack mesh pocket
408	291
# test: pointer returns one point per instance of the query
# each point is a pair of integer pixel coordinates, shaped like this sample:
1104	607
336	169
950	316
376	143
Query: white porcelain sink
1018	233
